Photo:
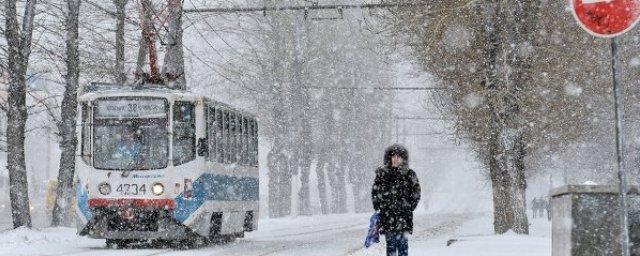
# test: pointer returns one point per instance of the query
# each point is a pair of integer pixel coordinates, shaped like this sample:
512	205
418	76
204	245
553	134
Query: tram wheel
119	243
111	243
193	241
215	227
161	243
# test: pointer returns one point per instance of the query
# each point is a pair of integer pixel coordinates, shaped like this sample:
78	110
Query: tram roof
96	90
96	87
93	91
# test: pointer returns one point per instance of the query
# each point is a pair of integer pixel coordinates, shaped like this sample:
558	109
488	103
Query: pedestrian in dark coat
534	206
547	206
395	195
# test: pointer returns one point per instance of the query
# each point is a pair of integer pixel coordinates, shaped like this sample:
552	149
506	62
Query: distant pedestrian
534	207
395	195
541	207
548	208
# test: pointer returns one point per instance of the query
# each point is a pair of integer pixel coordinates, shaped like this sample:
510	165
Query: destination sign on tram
131	108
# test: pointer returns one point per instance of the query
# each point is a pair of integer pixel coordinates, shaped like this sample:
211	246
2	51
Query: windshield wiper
125	173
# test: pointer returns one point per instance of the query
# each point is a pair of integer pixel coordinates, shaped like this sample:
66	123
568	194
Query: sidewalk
474	238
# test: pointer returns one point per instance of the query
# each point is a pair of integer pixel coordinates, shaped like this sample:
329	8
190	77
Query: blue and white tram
164	164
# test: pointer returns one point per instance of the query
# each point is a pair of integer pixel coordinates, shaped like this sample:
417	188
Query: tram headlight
104	188
157	189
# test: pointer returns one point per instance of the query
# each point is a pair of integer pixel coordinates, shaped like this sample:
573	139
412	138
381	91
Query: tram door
184	132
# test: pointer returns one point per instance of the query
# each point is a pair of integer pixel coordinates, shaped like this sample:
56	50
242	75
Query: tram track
319	230
443	227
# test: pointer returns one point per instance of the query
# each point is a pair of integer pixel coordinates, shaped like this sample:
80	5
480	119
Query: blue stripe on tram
82	198
210	187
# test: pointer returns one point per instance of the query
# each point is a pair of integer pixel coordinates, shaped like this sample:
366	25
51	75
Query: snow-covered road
317	235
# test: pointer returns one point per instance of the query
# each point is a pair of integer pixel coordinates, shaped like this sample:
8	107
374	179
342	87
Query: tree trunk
19	49
173	68
141	61
362	196
67	125
279	183
322	185
143	44
338	189
520	22
501	186
304	201
521	222
500	178
304	205
147	44
274	182
120	75
303	98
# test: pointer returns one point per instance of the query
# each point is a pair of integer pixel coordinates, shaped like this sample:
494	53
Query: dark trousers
397	245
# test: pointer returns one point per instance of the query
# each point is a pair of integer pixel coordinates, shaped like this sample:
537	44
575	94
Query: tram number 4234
132	189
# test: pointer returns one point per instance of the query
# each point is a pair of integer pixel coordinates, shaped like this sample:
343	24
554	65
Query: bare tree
173	68
497	69
19	49
67	123
291	64
120	75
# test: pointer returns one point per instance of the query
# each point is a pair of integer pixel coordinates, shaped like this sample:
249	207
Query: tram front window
131	139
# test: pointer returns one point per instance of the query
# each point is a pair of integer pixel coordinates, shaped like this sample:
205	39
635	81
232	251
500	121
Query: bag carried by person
373	235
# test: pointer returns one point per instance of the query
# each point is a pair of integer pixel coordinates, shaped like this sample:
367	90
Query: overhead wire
204	38
204	19
214	49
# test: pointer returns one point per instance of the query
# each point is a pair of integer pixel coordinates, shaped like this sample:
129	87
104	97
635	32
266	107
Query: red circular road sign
606	18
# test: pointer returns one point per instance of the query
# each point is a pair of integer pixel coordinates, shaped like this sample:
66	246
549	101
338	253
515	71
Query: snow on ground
308	236
475	239
48	241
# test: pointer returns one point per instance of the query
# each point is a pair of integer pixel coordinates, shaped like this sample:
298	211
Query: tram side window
225	139
86	133
249	142
184	132
254	140
218	140
233	147
245	142
211	133
239	141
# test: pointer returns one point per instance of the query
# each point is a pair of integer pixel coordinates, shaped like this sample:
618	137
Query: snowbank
47	241
498	245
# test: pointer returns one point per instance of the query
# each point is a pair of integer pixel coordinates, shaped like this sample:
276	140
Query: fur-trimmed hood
396	149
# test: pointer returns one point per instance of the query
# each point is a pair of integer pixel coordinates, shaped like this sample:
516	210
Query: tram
161	164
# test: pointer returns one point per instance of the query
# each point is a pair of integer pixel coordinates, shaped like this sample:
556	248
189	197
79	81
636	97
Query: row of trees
291	65
311	80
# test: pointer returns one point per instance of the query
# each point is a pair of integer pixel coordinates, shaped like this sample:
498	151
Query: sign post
609	19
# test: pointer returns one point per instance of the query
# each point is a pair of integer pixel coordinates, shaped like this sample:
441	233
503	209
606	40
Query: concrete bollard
586	220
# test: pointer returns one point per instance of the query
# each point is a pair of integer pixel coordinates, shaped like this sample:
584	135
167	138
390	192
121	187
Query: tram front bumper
131	221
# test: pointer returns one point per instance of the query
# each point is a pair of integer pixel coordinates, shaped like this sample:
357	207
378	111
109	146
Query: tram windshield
130	134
